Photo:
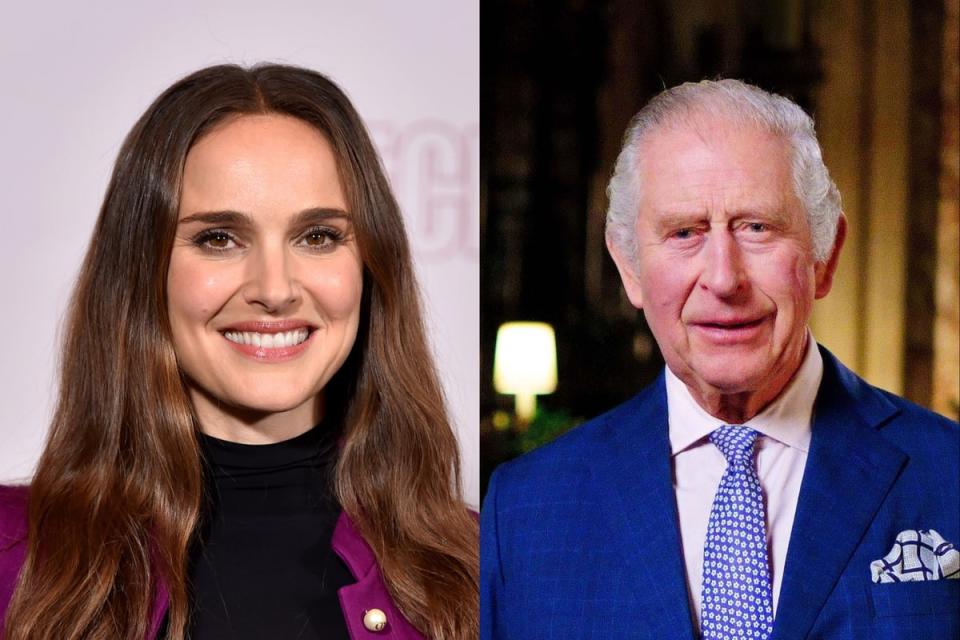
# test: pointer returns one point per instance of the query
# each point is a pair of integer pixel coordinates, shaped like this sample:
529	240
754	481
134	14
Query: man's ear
628	273
824	270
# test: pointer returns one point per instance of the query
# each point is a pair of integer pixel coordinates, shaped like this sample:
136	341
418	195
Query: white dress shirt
784	427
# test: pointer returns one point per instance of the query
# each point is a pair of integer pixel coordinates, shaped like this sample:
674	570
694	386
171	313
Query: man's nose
271	283
723	270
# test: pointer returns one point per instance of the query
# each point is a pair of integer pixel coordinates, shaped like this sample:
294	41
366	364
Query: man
758	488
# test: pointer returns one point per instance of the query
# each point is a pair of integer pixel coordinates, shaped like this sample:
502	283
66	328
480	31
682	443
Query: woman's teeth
268	340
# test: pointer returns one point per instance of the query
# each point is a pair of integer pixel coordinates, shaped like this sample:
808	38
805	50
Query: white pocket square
917	554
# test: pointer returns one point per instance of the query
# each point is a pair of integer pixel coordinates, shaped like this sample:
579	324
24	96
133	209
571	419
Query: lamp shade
525	359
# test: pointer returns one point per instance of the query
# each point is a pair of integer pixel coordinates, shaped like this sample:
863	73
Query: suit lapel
633	468
850	468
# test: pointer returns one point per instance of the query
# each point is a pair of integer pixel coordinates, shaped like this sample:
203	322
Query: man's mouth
730	331
730	325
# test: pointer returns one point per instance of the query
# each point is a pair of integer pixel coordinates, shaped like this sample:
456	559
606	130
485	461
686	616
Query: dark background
561	79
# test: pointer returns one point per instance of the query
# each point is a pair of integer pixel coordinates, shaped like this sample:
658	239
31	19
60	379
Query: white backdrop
75	76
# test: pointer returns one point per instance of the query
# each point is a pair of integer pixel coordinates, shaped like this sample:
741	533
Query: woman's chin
249	406
276	405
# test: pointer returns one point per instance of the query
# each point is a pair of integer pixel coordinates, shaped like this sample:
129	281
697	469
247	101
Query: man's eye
757	227
683	234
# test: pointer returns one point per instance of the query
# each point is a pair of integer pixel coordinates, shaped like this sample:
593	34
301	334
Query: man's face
725	272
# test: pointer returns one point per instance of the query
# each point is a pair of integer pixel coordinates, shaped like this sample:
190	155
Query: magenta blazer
369	592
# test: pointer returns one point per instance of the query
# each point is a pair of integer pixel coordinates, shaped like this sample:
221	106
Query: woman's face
265	277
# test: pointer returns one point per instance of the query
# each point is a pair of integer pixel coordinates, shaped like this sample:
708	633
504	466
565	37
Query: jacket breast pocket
927	597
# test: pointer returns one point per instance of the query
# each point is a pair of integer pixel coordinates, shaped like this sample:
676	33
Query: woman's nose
270	281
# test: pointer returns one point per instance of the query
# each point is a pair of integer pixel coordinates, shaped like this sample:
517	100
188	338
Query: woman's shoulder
13	514
13	534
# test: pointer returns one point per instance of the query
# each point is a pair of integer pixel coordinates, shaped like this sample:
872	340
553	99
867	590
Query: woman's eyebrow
218	217
237	218
318	214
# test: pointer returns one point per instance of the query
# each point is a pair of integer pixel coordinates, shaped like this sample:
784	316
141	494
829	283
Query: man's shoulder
911	414
896	417
915	429
585	444
930	441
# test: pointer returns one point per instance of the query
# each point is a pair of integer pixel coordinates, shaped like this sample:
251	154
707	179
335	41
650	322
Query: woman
248	278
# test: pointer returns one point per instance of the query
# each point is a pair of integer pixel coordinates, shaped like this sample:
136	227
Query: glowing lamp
525	364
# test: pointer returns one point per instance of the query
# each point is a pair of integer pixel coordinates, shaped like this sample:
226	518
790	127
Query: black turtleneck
263	567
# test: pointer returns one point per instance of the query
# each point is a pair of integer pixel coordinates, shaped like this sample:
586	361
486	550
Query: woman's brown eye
219	240
214	241
322	238
317	239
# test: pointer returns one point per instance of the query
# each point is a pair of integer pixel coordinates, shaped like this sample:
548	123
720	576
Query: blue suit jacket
579	539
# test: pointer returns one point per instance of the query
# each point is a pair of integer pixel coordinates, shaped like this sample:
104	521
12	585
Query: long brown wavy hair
115	502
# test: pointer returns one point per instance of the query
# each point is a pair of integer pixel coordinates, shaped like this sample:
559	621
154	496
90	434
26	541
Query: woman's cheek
338	291
197	291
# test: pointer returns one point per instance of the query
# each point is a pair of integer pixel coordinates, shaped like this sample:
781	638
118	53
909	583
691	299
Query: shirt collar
787	419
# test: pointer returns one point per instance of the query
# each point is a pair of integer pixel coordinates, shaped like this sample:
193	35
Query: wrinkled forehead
709	162
708	132
713	124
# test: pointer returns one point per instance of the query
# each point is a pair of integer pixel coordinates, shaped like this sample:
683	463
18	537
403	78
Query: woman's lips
262	353
269	326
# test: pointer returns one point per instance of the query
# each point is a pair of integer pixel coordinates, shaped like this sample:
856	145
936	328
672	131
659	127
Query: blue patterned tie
737	599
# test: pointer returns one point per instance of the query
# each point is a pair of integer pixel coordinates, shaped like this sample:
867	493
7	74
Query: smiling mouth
277	340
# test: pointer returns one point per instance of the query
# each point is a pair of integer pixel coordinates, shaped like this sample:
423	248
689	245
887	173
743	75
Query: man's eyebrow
666	219
238	218
670	219
774	214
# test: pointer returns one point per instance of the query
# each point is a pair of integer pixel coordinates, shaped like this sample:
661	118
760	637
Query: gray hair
742	104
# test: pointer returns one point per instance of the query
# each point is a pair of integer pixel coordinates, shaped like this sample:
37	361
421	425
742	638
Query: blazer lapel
161	601
849	470
633	462
369	592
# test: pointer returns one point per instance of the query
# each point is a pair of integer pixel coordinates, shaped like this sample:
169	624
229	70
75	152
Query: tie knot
735	442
